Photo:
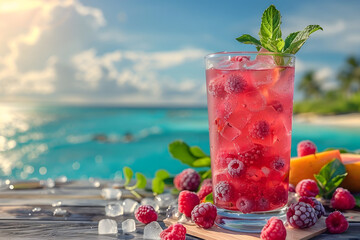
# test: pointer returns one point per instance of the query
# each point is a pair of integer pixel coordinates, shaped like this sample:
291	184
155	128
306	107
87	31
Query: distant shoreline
349	120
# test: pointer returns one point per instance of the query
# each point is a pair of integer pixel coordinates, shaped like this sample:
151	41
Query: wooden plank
216	233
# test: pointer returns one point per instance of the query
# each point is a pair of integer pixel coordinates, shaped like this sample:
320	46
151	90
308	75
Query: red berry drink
250	100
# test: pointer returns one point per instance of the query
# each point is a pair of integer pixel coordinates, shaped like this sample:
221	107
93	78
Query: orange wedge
352	165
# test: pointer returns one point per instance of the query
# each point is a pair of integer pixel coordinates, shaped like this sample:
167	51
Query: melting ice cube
255	101
114	209
173	212
107	226
128	226
152	231
56	204
36	209
130	206
60	212
164	200
151	202
111	194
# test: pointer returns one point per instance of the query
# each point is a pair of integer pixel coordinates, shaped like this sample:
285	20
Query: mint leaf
357	199
248	39
289	39
181	151
296	42
162	174
140	183
202	162
205	174
197	152
209	198
169	181
341	150
157	186
330	177
128	173
270	32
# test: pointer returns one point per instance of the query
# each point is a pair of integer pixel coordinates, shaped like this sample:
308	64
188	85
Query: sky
144	52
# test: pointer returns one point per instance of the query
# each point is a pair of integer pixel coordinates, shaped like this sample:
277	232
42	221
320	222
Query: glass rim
244	53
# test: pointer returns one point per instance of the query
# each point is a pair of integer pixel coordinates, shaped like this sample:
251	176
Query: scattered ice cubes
56	204
230	132
111	193
60	212
152	231
173	212
130	206
151	202
114	209
185	220
61	179
264	77
49	183
255	101
128	226
36	209
107	226
164	200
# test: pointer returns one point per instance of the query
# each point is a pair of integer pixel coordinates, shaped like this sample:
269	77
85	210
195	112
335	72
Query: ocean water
81	142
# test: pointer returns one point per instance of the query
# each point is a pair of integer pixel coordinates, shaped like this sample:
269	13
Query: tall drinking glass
250	102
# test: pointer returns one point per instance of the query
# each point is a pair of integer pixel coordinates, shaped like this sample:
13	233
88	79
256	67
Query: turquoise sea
81	142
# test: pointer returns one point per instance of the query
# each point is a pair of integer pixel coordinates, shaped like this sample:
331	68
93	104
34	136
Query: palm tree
309	86
349	76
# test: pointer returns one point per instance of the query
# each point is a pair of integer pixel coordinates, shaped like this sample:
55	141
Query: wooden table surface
86	207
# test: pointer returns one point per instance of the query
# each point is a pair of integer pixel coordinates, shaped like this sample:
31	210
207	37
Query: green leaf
181	151
341	150
158	185
320	180
357	199
209	198
162	174
169	181
140	183
128	173
270	32
289	39
206	174
248	39
296	42
202	162
197	152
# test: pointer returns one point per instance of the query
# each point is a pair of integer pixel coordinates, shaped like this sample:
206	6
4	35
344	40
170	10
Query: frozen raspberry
235	168
254	154
216	88
240	58
307	188
205	190
262	204
188	179
207	181
187	201
235	84
222	191
318	207
278	164
204	215
245	205
224	158
146	214
174	232
342	199
273	230
301	215
306	147
260	130
291	188
336	222
277	106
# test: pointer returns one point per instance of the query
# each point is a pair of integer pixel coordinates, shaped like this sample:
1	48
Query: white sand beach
351	120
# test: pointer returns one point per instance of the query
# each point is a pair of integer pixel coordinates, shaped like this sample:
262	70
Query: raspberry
146	214
291	188
336	222
235	84
204	215
188	179
342	199
224	158
318	207
222	191
301	215
306	147
205	190
216	89
235	168
263	204
187	201
273	230
277	106
174	232
260	130
245	205
207	181
278	164
240	58
252	155
307	188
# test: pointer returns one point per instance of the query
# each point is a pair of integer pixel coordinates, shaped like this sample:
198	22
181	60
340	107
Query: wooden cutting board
217	233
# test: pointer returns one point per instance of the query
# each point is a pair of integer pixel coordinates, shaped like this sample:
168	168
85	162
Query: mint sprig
330	177
270	34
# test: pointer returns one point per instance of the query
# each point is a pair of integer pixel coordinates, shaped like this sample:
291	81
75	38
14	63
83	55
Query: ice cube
49	183
114	209
111	194
107	226
152	231
164	200
185	220
173	212
230	132
128	226
60	212
254	101
61	179
130	206
56	204
151	202
36	209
